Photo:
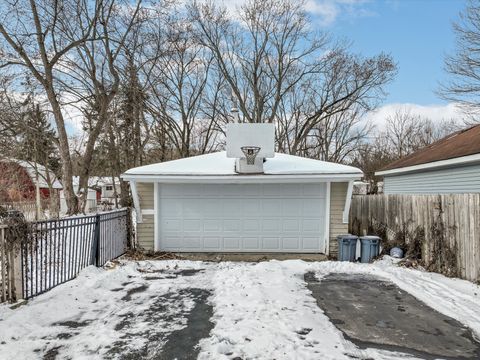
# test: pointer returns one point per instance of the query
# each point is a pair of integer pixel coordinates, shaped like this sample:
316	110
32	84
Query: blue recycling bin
347	247
370	248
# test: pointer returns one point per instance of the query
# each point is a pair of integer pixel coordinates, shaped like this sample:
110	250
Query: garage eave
262	178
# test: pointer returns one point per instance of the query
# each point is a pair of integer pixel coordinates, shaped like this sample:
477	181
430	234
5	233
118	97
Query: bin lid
347	236
372	238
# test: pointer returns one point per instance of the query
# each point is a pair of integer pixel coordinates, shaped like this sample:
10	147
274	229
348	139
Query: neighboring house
93	196
450	165
19	179
109	189
220	203
100	190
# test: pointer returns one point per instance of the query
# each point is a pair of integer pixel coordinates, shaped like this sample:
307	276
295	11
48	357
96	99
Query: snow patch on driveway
260	310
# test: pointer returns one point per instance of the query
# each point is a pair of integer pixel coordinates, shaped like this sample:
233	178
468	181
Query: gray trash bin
370	248
347	247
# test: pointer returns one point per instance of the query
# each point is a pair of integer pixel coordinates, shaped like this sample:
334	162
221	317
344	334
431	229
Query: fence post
130	235
16	273
96	241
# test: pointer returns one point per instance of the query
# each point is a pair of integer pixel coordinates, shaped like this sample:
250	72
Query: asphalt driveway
372	312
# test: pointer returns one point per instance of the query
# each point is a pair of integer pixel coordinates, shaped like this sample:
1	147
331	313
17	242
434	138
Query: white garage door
242	217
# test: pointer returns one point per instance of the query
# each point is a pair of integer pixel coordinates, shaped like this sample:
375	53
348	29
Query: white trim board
348	201
238	179
327	218
463	160
156	217
136	201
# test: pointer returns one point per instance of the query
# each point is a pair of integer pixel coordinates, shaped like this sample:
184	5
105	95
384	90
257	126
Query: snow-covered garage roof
217	164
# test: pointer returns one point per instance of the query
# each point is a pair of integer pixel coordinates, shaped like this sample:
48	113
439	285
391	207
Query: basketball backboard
260	135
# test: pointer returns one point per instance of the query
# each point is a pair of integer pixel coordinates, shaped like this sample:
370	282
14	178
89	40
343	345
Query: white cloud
327	11
435	112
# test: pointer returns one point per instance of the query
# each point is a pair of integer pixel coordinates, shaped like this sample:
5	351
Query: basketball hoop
250	153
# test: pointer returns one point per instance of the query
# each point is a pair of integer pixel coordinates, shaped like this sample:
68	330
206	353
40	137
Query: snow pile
261	310
218	164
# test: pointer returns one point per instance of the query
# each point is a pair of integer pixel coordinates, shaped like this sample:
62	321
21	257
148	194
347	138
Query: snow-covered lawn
259	310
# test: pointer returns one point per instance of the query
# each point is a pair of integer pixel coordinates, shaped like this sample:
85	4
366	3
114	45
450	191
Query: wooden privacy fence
443	229
52	252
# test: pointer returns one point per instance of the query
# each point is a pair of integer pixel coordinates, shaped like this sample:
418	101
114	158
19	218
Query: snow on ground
260	310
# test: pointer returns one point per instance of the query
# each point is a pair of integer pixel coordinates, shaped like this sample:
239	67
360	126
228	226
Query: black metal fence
55	251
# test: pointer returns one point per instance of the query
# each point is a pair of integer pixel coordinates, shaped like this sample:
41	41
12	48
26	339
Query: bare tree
91	75
464	65
337	137
178	85
262	54
279	71
407	132
32	40
404	133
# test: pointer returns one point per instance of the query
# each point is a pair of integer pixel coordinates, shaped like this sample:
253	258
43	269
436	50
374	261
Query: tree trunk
63	147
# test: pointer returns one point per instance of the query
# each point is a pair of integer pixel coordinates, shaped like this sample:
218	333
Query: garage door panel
312	208
271	243
232	243
251	243
310	243
192	242
251	225
232	206
271	207
212	225
171	225
317	190
246	217
291	225
171	242
250	207
232	225
309	225
171	207
292	207
271	225
291	243
192	225
192	208
211	242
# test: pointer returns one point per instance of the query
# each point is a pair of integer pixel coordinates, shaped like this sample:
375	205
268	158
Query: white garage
203	204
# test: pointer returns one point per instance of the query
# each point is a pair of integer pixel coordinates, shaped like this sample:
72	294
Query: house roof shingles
461	143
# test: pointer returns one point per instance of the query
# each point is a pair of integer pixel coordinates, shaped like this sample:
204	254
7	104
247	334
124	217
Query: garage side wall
145	230
338	193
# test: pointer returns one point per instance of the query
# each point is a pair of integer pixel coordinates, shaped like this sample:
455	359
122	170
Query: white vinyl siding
461	179
145	229
338	196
